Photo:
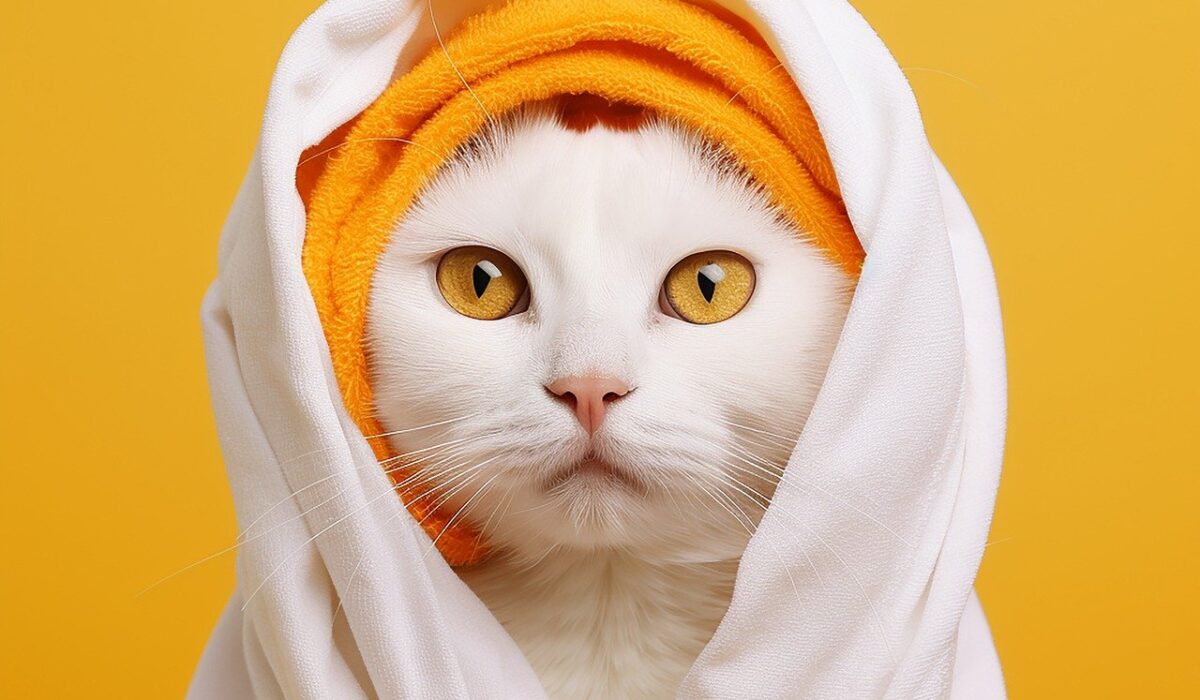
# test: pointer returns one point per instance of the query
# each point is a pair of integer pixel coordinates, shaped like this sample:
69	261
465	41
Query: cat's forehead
538	189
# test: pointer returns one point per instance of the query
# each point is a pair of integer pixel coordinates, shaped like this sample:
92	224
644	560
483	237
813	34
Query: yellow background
1070	126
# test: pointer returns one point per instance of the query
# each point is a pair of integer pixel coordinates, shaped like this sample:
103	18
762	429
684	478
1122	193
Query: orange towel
670	57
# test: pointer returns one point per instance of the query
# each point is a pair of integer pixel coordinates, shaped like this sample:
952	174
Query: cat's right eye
481	282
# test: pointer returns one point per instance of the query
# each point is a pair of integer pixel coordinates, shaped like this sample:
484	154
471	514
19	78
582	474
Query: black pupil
481	278
708	287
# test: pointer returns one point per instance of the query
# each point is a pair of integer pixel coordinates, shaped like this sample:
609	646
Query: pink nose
588	396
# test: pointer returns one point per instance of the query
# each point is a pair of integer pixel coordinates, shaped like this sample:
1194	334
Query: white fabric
830	602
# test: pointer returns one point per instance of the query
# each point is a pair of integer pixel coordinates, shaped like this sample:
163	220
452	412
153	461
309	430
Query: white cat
614	435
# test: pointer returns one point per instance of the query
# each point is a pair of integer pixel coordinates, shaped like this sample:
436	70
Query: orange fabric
667	56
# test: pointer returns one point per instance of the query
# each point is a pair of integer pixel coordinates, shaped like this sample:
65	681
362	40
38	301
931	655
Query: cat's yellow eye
480	282
709	287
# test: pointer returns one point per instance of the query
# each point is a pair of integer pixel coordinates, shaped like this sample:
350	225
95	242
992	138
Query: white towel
341	601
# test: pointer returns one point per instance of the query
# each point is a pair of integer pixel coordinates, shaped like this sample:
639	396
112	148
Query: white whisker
437	32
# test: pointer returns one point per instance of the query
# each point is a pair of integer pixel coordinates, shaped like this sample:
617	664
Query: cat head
598	338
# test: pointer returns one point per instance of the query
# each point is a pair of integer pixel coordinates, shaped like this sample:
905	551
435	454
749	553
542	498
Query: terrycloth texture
339	597
673	58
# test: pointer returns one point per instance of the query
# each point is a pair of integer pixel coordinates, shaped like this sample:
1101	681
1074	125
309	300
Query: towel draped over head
858	582
678	60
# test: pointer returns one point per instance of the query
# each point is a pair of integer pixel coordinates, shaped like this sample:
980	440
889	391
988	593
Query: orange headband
672	58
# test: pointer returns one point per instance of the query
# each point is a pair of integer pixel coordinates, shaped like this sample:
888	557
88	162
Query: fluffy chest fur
606	626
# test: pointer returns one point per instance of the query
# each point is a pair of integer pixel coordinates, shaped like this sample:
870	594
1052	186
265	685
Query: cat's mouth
593	470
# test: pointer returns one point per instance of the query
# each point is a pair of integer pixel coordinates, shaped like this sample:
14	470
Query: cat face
599	339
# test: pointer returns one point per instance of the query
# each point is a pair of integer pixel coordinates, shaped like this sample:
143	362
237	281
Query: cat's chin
590	475
600	524
592	506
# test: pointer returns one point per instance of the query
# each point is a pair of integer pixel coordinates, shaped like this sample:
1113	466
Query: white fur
610	591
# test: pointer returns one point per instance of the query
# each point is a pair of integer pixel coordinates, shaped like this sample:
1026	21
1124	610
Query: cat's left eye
481	282
708	287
